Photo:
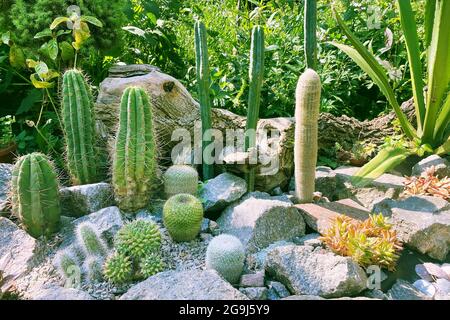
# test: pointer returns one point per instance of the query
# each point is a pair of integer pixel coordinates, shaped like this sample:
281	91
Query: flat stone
403	290
427	288
252	280
255	293
441	166
16	251
54	292
307	271
184	285
257	260
303	297
311	239
78	201
259	220
277	290
413	203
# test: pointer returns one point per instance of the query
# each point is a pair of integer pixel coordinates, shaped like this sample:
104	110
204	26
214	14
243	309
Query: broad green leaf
67	51
44	33
16	57
366	61
438	69
444	148
409	27
52	46
6	37
27	103
430	8
92	20
385	160
37	83
61	32
41	69
58	21
134	30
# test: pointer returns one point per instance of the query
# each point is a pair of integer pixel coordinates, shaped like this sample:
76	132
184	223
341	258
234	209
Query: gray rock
441	166
276	192
307	271
221	191
413	203
403	290
5	179
259	220
325	182
303	297
184	285
375	294
16	250
54	292
78	201
277	290
255	293
257	260
311	239
427	288
443	288
252	280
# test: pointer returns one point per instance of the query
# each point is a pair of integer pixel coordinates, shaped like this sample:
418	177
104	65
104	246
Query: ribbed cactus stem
90	240
310	22
307	107
203	84
78	123
256	74
134	159
35	195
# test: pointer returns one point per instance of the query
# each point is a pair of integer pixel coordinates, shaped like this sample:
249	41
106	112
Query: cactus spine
203	83
35	195
180	179
310	19
90	240
134	160
256	74
78	122
307	107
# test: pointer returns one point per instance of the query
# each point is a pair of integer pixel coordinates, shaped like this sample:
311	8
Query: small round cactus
90	240
182	216
138	238
180	179
150	265
118	268
226	255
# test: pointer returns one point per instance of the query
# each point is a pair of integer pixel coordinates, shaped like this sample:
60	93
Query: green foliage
118	268
6	135
138	238
90	240
35	195
134	159
226	255
150	265
182	216
180	179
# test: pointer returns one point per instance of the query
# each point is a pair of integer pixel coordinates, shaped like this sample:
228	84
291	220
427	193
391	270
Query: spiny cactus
94	268
79	128
138	238
256	74
203	84
182	216
310	20
134	163
305	146
118	268
226	255
90	240
180	179
35	195
66	263
150	265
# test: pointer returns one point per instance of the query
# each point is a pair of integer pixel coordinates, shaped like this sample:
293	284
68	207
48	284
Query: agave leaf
430	8
386	159
443	120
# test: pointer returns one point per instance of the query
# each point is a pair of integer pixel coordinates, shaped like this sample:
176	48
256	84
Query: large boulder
16	250
184	285
78	201
422	223
259	220
308	271
403	290
55	292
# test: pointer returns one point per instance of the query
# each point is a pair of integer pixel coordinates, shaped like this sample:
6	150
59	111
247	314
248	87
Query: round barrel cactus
180	179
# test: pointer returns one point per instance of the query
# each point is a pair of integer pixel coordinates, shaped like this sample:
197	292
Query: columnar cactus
226	255
79	128
305	148
256	74
203	84
67	263
310	21
134	159
180	179
35	195
90	240
182	216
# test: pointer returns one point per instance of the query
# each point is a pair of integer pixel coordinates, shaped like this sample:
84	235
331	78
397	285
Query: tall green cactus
310	22
79	127
134	159
35	195
203	83
307	107
256	74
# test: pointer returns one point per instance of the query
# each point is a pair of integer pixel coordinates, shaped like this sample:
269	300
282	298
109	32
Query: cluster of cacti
134	158
182	216
35	195
369	242
203	84
180	179
226	255
79	127
307	107
137	253
256	75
